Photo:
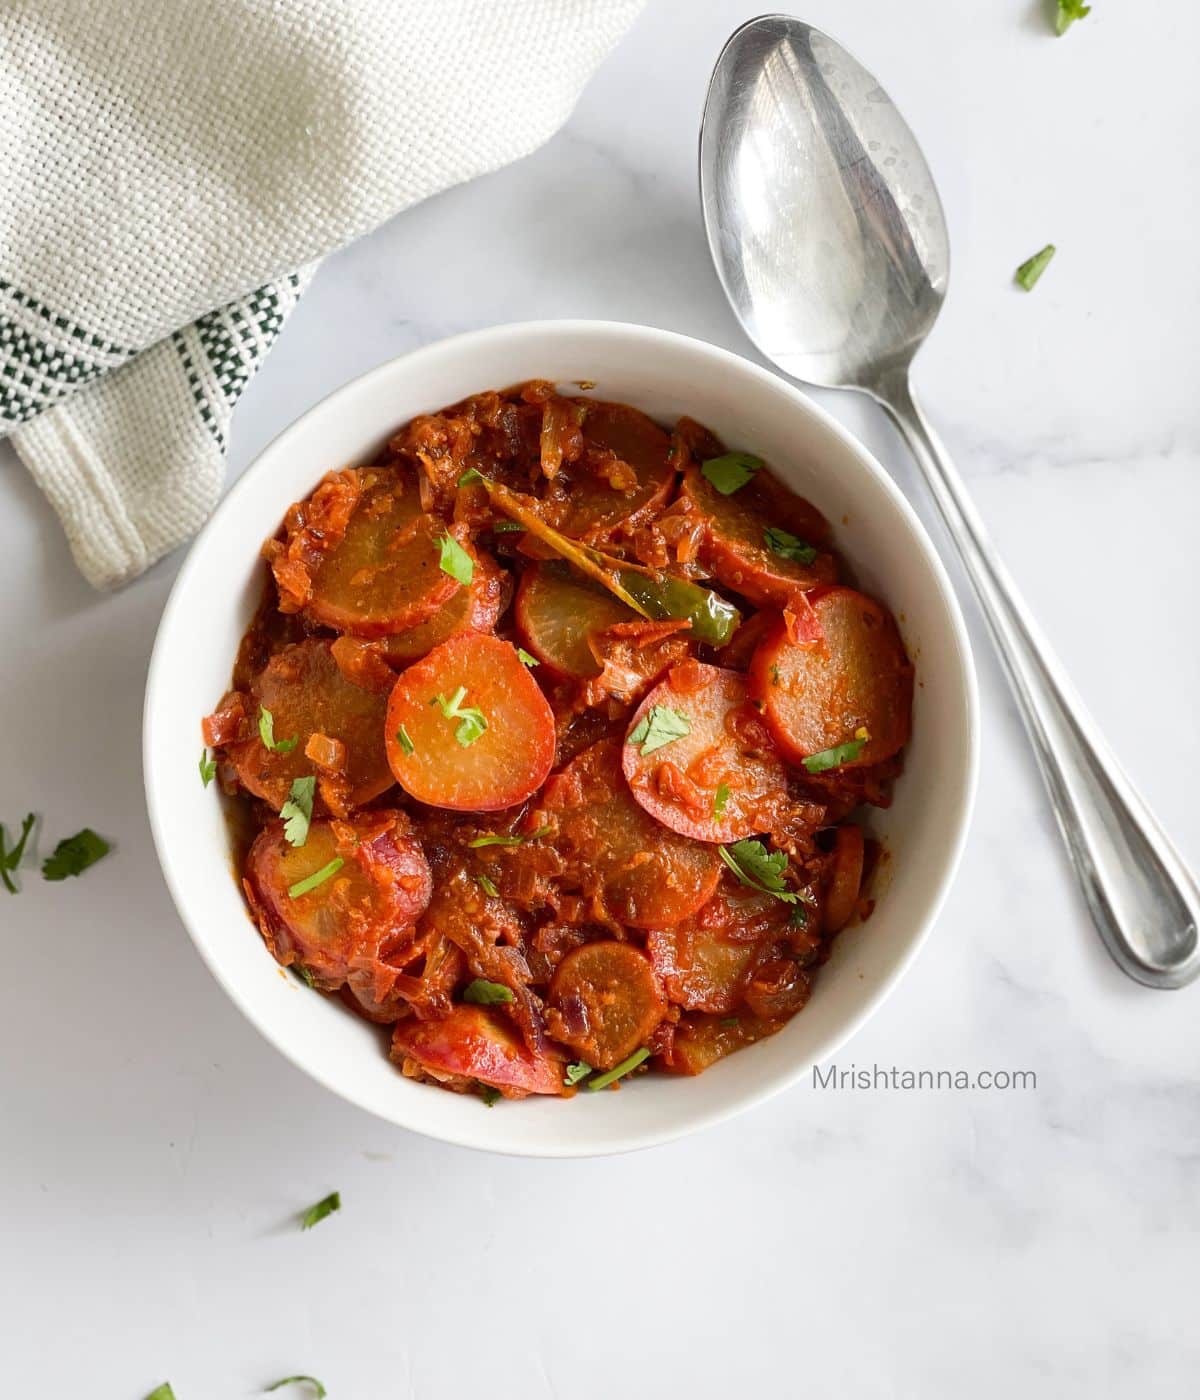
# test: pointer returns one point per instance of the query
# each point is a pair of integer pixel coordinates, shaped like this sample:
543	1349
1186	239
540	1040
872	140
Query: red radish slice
472	609
488	743
634	870
474	1043
374	897
559	611
700	1039
625	472
307	693
706	962
816	697
845	877
384	575
720	781
604	1001
735	546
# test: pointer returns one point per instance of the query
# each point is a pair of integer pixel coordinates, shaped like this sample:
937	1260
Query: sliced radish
385	574
737	546
632	869
559	612
307	693
604	1001
468	728
477	1044
815	698
367	902
721	779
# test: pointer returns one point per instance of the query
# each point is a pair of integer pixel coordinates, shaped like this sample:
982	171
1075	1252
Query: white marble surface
879	1244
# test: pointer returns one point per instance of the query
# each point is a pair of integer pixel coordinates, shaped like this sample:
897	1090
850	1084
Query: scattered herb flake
304	975
788	546
74	854
496	838
455	560
10	860
266	732
660	726
470	477
774	673
720	799
490	1095
730	1021
473	722
731	472
315	1214
579	1070
208	767
1068	12
487	885
526	659
602	1081
507	527
758	869
406	744
318	877
297	810
838	755
311	1381
484	993
1029	271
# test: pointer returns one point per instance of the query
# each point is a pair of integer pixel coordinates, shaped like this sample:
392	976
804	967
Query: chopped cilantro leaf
266	732
1030	270
304	975
507	527
406	744
318	877
838	755
208	767
660	726
315	1214
731	472
315	1385
473	722
504	839
470	477
526	659
758	869
490	1095
455	560
297	810
602	1081
1068	12
74	854
484	993
579	1070
730	1021
9	860
161	1392
720	799
788	546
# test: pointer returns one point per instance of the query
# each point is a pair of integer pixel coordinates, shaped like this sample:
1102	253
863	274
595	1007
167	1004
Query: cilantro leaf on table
74	854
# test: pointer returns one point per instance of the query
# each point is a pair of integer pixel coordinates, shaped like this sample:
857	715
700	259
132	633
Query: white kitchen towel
171	171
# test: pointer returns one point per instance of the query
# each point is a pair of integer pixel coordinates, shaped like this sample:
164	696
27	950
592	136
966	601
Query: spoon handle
1143	901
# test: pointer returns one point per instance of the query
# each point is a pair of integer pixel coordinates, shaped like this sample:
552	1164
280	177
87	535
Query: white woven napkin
162	158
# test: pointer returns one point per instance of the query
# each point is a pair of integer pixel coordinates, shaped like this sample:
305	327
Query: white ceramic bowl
666	375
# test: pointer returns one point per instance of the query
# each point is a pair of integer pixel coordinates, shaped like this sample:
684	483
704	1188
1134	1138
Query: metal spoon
830	241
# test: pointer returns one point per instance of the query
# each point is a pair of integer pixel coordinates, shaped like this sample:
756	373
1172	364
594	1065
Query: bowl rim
721	1111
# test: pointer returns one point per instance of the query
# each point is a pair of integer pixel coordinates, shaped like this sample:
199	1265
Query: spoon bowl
830	241
822	215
